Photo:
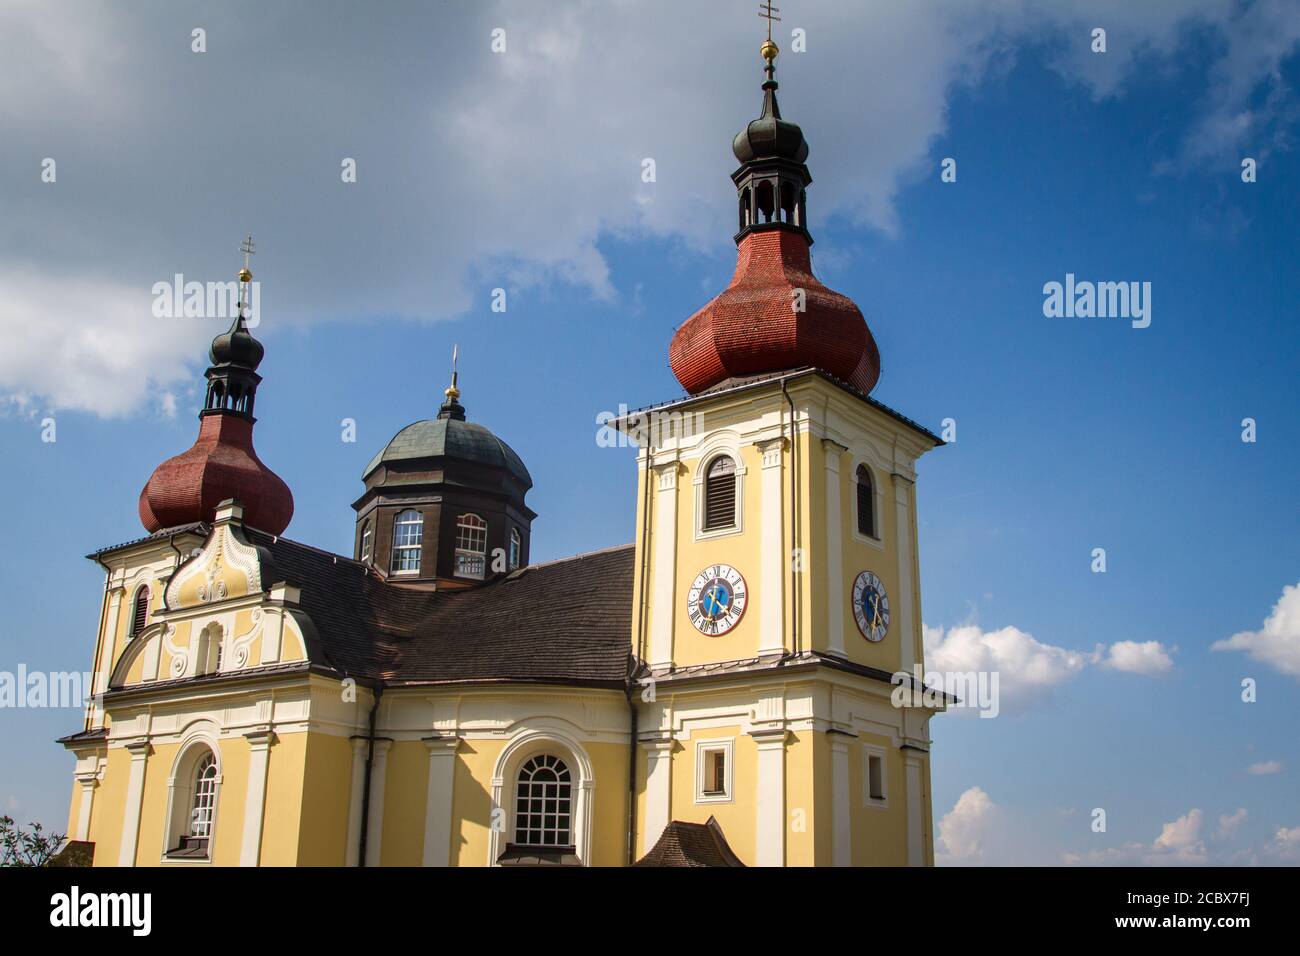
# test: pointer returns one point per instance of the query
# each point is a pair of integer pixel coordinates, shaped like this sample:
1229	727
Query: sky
521	169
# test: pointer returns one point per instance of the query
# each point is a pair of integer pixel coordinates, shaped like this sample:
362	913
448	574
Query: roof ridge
278	538
576	557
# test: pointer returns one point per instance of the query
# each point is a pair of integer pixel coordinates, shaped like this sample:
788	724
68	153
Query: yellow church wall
736	817
879	833
283	809
323	826
472	800
803	823
740	550
406	784
107	812
609	823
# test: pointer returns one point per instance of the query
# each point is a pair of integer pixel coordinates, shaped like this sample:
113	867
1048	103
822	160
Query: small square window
713	771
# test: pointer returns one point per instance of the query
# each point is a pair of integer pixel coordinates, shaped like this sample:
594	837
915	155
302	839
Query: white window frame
700	480
180	799
516	549
878	502
418	547
367	541
869	751
572	798
727	747
480	555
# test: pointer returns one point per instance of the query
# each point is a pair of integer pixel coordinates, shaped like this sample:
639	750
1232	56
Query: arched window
544	803
365	541
516	548
408	541
140	610
866	502
720	494
205	798
471	546
787	202
766	196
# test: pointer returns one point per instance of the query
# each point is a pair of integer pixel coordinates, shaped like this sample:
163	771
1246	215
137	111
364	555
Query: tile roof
691	844
567	621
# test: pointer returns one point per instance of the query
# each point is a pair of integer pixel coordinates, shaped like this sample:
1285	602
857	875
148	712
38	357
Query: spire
222	463
772	177
452	408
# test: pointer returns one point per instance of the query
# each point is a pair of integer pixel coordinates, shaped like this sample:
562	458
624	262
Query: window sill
869	540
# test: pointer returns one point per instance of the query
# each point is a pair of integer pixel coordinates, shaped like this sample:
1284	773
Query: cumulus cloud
1229	822
1265	768
1150	658
477	170
1028	668
965	829
1179	843
1278	643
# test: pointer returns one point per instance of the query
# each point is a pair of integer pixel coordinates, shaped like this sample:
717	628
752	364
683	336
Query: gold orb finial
769	50
245	275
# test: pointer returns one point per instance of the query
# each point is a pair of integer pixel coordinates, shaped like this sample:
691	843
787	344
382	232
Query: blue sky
1072	434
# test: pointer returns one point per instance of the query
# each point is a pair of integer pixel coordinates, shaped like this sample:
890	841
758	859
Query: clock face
871	606
716	600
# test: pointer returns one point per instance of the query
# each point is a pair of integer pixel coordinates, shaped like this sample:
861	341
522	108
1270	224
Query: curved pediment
225	568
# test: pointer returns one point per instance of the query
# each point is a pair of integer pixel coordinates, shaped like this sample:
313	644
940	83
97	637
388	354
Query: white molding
658	788
199	735
905	601
250	849
835	611
352	856
375	821
877	468
718	444
134	797
915	811
727	746
664	568
769	810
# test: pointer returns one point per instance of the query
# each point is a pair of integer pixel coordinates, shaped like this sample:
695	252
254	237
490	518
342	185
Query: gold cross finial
246	247
768	13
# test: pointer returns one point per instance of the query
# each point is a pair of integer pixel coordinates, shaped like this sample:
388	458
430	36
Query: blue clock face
871	606
716	599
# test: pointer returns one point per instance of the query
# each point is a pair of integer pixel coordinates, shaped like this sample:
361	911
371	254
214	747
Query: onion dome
451	438
222	463
775	315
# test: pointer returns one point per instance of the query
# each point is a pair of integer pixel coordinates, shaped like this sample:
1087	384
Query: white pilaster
906	599
89	780
772	561
259	745
375	822
438	801
658	788
770	800
835	595
663	608
355	800
841	809
915	809
104	664
134	796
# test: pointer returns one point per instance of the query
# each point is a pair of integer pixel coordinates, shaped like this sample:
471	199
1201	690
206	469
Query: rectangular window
713	771
875	782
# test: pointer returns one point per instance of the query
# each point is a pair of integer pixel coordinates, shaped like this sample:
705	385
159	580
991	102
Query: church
715	693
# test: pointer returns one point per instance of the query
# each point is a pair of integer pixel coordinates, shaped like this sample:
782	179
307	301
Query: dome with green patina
451	437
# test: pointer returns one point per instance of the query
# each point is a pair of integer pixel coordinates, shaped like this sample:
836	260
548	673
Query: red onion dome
754	327
222	464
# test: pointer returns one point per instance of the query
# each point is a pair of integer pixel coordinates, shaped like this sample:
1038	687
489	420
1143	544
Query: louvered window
140	611
720	494
866	503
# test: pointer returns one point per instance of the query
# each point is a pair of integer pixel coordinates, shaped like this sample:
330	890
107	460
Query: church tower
776	572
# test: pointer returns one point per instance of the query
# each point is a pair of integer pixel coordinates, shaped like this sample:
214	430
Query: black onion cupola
444	503
772	178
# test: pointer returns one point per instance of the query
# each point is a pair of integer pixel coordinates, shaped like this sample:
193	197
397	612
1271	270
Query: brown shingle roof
691	844
567	621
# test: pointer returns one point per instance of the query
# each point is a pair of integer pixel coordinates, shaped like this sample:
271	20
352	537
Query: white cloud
93	346
1265	768
965	829
1179	843
1228	823
478	170
1149	658
1278	643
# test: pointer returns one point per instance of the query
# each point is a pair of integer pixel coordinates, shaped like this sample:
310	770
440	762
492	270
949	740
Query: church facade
721	691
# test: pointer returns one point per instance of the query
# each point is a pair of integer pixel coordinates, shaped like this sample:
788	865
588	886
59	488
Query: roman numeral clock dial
871	606
716	600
